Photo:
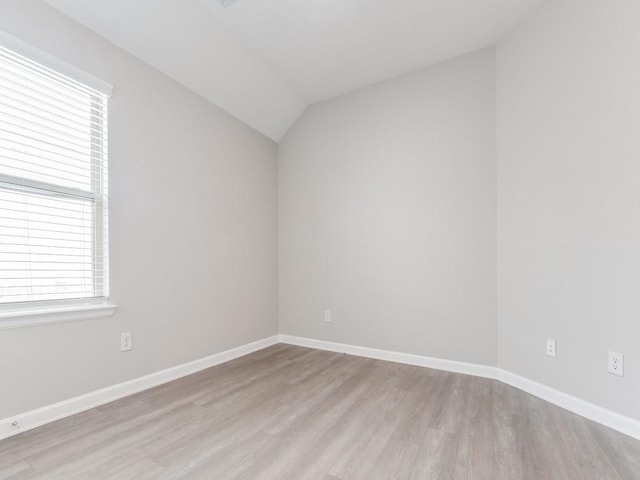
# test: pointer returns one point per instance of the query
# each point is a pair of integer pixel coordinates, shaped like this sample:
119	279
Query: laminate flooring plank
265	414
378	459
142	470
308	439
475	452
377	455
436	457
512	455
99	441
292	413
19	470
620	449
357	438
352	435
220	463
112	452
56	433
406	461
427	408
350	429
216	436
582	451
541	432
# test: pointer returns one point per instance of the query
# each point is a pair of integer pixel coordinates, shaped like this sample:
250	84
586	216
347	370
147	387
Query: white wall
569	199
192	223
387	215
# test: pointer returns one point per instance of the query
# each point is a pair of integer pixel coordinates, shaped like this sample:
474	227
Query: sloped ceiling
264	61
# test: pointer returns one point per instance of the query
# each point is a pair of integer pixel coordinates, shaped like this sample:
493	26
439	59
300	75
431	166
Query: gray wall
569	199
193	230
387	215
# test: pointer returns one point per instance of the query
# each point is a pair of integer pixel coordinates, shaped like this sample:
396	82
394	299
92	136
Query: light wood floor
293	413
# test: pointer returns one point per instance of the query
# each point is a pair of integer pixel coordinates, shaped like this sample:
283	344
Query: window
53	187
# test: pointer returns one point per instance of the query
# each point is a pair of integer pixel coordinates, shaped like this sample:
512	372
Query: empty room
319	240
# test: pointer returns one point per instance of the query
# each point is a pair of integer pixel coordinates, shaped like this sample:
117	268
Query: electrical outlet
327	316
551	347
125	342
616	363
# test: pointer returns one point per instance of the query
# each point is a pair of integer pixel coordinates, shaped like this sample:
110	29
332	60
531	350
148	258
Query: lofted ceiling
264	61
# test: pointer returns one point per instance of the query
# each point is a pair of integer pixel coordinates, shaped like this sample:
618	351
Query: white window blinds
53	185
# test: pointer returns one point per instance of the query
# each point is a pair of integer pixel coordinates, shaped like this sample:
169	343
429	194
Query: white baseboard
608	418
51	413
418	360
66	408
626	425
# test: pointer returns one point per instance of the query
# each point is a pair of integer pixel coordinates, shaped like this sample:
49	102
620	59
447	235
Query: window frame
43	312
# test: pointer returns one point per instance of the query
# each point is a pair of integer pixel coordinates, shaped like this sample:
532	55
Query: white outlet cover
551	347
616	363
327	316
125	342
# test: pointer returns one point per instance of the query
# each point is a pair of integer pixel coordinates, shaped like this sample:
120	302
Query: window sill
10	319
